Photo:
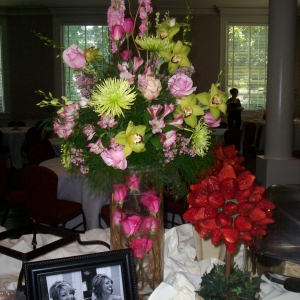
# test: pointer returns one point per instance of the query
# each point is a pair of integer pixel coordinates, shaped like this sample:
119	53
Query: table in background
75	188
14	139
182	274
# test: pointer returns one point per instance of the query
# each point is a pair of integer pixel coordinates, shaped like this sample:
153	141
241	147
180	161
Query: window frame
5	68
62	17
241	17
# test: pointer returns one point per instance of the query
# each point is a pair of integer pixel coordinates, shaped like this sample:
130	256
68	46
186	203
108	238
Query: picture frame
78	274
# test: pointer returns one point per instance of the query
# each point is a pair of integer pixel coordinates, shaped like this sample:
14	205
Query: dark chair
105	215
40	184
12	124
4	150
249	138
11	199
258	137
174	207
40	152
233	136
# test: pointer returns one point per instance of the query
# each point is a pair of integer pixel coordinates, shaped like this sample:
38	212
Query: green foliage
214	285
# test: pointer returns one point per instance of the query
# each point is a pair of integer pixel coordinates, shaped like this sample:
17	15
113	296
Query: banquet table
14	139
182	273
75	188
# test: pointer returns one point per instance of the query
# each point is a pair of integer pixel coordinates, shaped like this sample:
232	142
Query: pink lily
97	147
137	62
89	131
168	138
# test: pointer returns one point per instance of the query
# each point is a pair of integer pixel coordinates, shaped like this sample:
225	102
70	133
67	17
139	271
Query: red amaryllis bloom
117	32
141	247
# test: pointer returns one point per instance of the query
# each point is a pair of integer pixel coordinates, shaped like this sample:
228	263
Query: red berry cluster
227	205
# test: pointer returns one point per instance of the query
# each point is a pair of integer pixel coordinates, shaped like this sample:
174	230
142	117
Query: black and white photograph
88	284
106	276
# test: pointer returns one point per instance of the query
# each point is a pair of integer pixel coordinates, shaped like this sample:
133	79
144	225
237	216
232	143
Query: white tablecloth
74	188
14	139
182	274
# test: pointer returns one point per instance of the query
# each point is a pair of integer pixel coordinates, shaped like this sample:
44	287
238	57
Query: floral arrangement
139	108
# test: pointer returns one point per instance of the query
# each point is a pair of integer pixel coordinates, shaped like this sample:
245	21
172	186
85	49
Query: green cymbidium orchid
190	110
91	54
216	100
178	57
132	139
167	29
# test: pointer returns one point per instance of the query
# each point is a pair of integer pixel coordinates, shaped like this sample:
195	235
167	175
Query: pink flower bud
131	225
141	247
128	26
117	32
120	192
133	181
151	201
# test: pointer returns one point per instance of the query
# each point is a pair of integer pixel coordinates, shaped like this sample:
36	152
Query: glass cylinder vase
137	222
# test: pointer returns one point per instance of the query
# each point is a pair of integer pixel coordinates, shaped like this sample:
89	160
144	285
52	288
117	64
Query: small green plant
238	285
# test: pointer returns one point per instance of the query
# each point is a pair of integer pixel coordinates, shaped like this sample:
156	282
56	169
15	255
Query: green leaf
155	141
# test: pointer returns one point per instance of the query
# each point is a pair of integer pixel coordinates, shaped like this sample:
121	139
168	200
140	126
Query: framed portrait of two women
105	275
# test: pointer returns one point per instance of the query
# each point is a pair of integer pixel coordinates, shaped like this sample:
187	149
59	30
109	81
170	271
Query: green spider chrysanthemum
200	138
154	44
111	96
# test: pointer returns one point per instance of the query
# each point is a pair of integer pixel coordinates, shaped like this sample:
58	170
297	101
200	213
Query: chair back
3	178
40	152
249	135
40	184
233	136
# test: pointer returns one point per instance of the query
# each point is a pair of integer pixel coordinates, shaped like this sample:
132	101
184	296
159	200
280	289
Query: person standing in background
234	110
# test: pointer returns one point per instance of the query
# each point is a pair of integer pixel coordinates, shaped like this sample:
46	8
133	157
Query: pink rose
140	247
150	87
131	224
151	201
114	157
118	216
133	181
128	26
126	55
117	32
120	192
73	56
181	85
210	121
149	224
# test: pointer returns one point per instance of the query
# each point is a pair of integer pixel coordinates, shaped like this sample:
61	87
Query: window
244	54
1	75
84	37
247	51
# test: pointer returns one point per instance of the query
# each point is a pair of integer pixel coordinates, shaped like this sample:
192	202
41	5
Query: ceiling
197	4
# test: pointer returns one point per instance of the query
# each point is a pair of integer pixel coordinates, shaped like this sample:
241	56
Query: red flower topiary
227	205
